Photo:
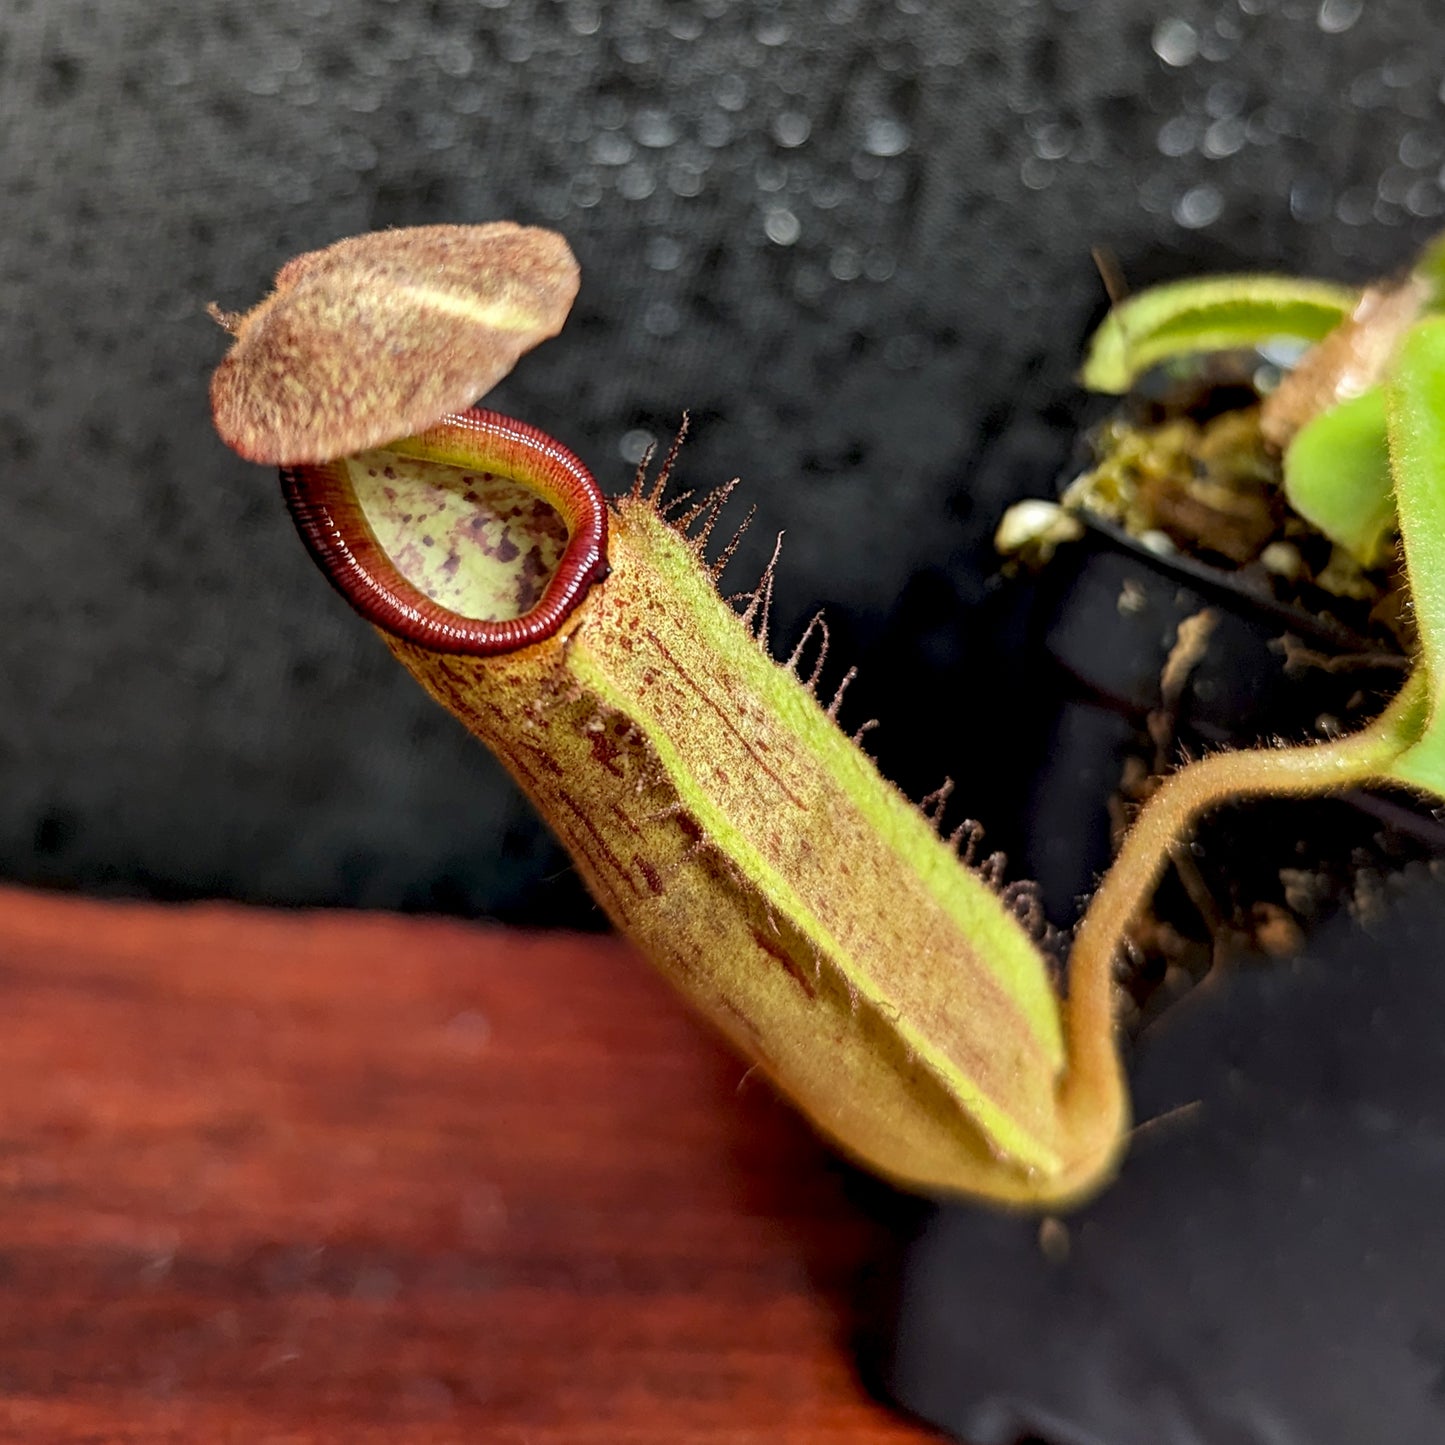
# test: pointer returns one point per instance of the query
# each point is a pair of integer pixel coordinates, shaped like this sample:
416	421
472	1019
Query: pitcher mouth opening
477	536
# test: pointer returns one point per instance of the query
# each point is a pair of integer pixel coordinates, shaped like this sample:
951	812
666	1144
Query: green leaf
1337	476
1415	403
1220	313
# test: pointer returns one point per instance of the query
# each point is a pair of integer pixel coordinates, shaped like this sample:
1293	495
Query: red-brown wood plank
272	1177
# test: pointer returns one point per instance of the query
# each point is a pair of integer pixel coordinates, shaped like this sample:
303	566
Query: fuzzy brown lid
378	336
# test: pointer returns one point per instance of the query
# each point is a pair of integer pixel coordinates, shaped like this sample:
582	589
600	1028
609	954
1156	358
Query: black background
852	236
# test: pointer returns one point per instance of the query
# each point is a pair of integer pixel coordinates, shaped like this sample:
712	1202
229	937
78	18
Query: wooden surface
298	1177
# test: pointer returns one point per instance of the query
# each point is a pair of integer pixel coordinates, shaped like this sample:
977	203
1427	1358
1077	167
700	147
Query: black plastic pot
1104	617
1270	1267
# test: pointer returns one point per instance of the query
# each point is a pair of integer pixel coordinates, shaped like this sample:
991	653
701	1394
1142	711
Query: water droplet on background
1424	199
684	179
1393	185
1052	142
1035	173
584	17
439	132
1259	129
791	128
455	59
610	114
654	129
1228	27
1420	148
1368	91
1223	138
661	318
636	183
1199	206
879	264
682	25
662	253
885	136
292	187
1386	213
732	92
782	227
608	148
1309	200
1224	99
770	175
1178	136
1175	42
1337	16
1215	45
633	445
355	152
1400	72
890	187
553	203
633	48
465	99
586	191
810	283
1356	207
